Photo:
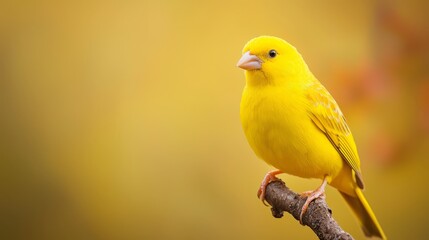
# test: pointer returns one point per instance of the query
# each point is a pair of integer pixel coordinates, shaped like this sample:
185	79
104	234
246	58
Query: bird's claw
261	194
269	177
311	195
309	199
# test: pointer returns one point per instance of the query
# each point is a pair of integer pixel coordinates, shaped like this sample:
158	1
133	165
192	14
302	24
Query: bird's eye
272	53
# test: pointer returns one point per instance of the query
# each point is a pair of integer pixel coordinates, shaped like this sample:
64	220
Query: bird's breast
279	130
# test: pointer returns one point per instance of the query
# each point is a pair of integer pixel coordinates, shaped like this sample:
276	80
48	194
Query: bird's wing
327	116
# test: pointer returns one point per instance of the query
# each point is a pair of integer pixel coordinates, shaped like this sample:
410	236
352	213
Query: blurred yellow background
120	119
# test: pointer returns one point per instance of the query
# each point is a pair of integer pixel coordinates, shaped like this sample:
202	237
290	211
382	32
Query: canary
292	122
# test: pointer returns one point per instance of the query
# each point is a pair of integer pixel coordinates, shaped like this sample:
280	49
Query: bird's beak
249	62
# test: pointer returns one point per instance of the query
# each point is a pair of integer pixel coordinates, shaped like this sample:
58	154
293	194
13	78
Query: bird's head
271	60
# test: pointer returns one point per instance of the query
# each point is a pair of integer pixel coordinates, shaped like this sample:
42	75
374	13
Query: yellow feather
327	115
292	122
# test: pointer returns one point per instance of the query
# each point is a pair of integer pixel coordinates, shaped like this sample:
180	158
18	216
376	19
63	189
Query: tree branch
318	215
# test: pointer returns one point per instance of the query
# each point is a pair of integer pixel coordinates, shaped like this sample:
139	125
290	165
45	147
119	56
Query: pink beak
249	62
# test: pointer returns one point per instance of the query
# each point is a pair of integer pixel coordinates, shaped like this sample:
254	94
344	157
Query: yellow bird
292	122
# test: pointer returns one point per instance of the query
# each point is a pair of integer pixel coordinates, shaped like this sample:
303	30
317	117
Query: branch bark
318	215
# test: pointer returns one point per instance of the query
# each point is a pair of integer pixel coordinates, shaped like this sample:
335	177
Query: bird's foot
269	177
311	195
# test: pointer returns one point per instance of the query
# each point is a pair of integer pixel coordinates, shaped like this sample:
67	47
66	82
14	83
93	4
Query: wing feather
327	116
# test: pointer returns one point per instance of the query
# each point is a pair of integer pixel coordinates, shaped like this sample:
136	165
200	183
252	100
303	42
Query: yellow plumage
294	124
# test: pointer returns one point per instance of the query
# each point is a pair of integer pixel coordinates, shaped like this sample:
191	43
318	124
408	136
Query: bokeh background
120	119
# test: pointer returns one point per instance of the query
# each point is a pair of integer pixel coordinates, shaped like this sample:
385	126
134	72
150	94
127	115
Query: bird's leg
311	195
269	177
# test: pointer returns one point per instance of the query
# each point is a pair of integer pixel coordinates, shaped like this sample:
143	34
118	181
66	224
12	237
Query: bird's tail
366	216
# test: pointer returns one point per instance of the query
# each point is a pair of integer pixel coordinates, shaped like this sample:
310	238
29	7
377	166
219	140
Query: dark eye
272	53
